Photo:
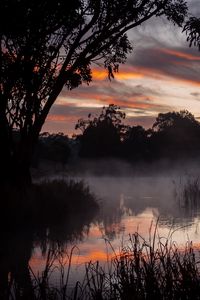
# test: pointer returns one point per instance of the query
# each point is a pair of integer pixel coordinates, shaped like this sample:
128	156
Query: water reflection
130	198
25	230
15	253
126	205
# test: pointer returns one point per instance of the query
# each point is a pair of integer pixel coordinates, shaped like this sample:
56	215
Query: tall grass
47	214
157	269
187	192
47	202
153	269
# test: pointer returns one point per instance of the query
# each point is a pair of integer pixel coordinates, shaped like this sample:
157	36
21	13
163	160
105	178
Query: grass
47	202
157	269
191	192
44	215
188	193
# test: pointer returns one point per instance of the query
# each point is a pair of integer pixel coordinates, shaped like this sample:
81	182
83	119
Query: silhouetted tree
182	119
192	29
135	145
52	147
175	134
46	45
102	135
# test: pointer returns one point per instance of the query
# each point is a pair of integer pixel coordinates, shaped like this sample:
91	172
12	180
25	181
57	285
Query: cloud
194	7
116	89
63	118
180	63
195	94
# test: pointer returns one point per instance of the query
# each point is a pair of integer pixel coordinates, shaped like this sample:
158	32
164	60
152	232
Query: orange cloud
161	75
93	256
139	102
180	54
62	118
100	74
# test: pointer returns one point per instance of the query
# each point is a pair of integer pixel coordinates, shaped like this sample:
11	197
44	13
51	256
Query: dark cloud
116	91
69	110
179	63
63	118
195	94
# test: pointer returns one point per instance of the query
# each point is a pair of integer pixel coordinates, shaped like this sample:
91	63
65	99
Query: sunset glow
162	74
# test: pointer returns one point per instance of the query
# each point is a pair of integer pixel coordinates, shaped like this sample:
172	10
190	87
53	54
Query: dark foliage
102	135
173	135
48	45
142	270
136	144
192	29
41	215
176	134
52	148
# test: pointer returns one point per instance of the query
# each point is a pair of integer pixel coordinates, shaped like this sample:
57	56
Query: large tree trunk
22	162
15	160
5	149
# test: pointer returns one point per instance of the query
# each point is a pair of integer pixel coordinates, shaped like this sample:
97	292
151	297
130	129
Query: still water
127	205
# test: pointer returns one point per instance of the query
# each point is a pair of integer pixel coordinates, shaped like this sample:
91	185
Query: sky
161	74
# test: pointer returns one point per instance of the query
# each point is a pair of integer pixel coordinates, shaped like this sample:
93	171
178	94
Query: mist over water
119	185
157	189
131	199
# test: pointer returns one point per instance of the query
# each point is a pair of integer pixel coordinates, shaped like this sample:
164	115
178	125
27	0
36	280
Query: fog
123	188
131	198
121	168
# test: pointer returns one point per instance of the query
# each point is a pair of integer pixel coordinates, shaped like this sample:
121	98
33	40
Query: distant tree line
52	147
173	135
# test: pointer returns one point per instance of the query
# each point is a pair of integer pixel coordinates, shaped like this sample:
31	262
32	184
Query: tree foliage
135	144
48	45
192	29
174	134
52	147
182	119
110	115
102	135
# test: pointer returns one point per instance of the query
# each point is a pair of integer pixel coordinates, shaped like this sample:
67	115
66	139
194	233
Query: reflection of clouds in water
128	205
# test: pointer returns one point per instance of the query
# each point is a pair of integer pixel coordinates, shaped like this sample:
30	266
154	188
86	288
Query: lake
127	205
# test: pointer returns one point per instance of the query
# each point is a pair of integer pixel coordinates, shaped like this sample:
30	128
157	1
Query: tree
46	45
174	119
102	135
52	147
176	134
135	145
192	29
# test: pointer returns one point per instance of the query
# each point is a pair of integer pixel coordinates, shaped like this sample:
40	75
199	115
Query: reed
41	200
187	192
153	269
147	270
